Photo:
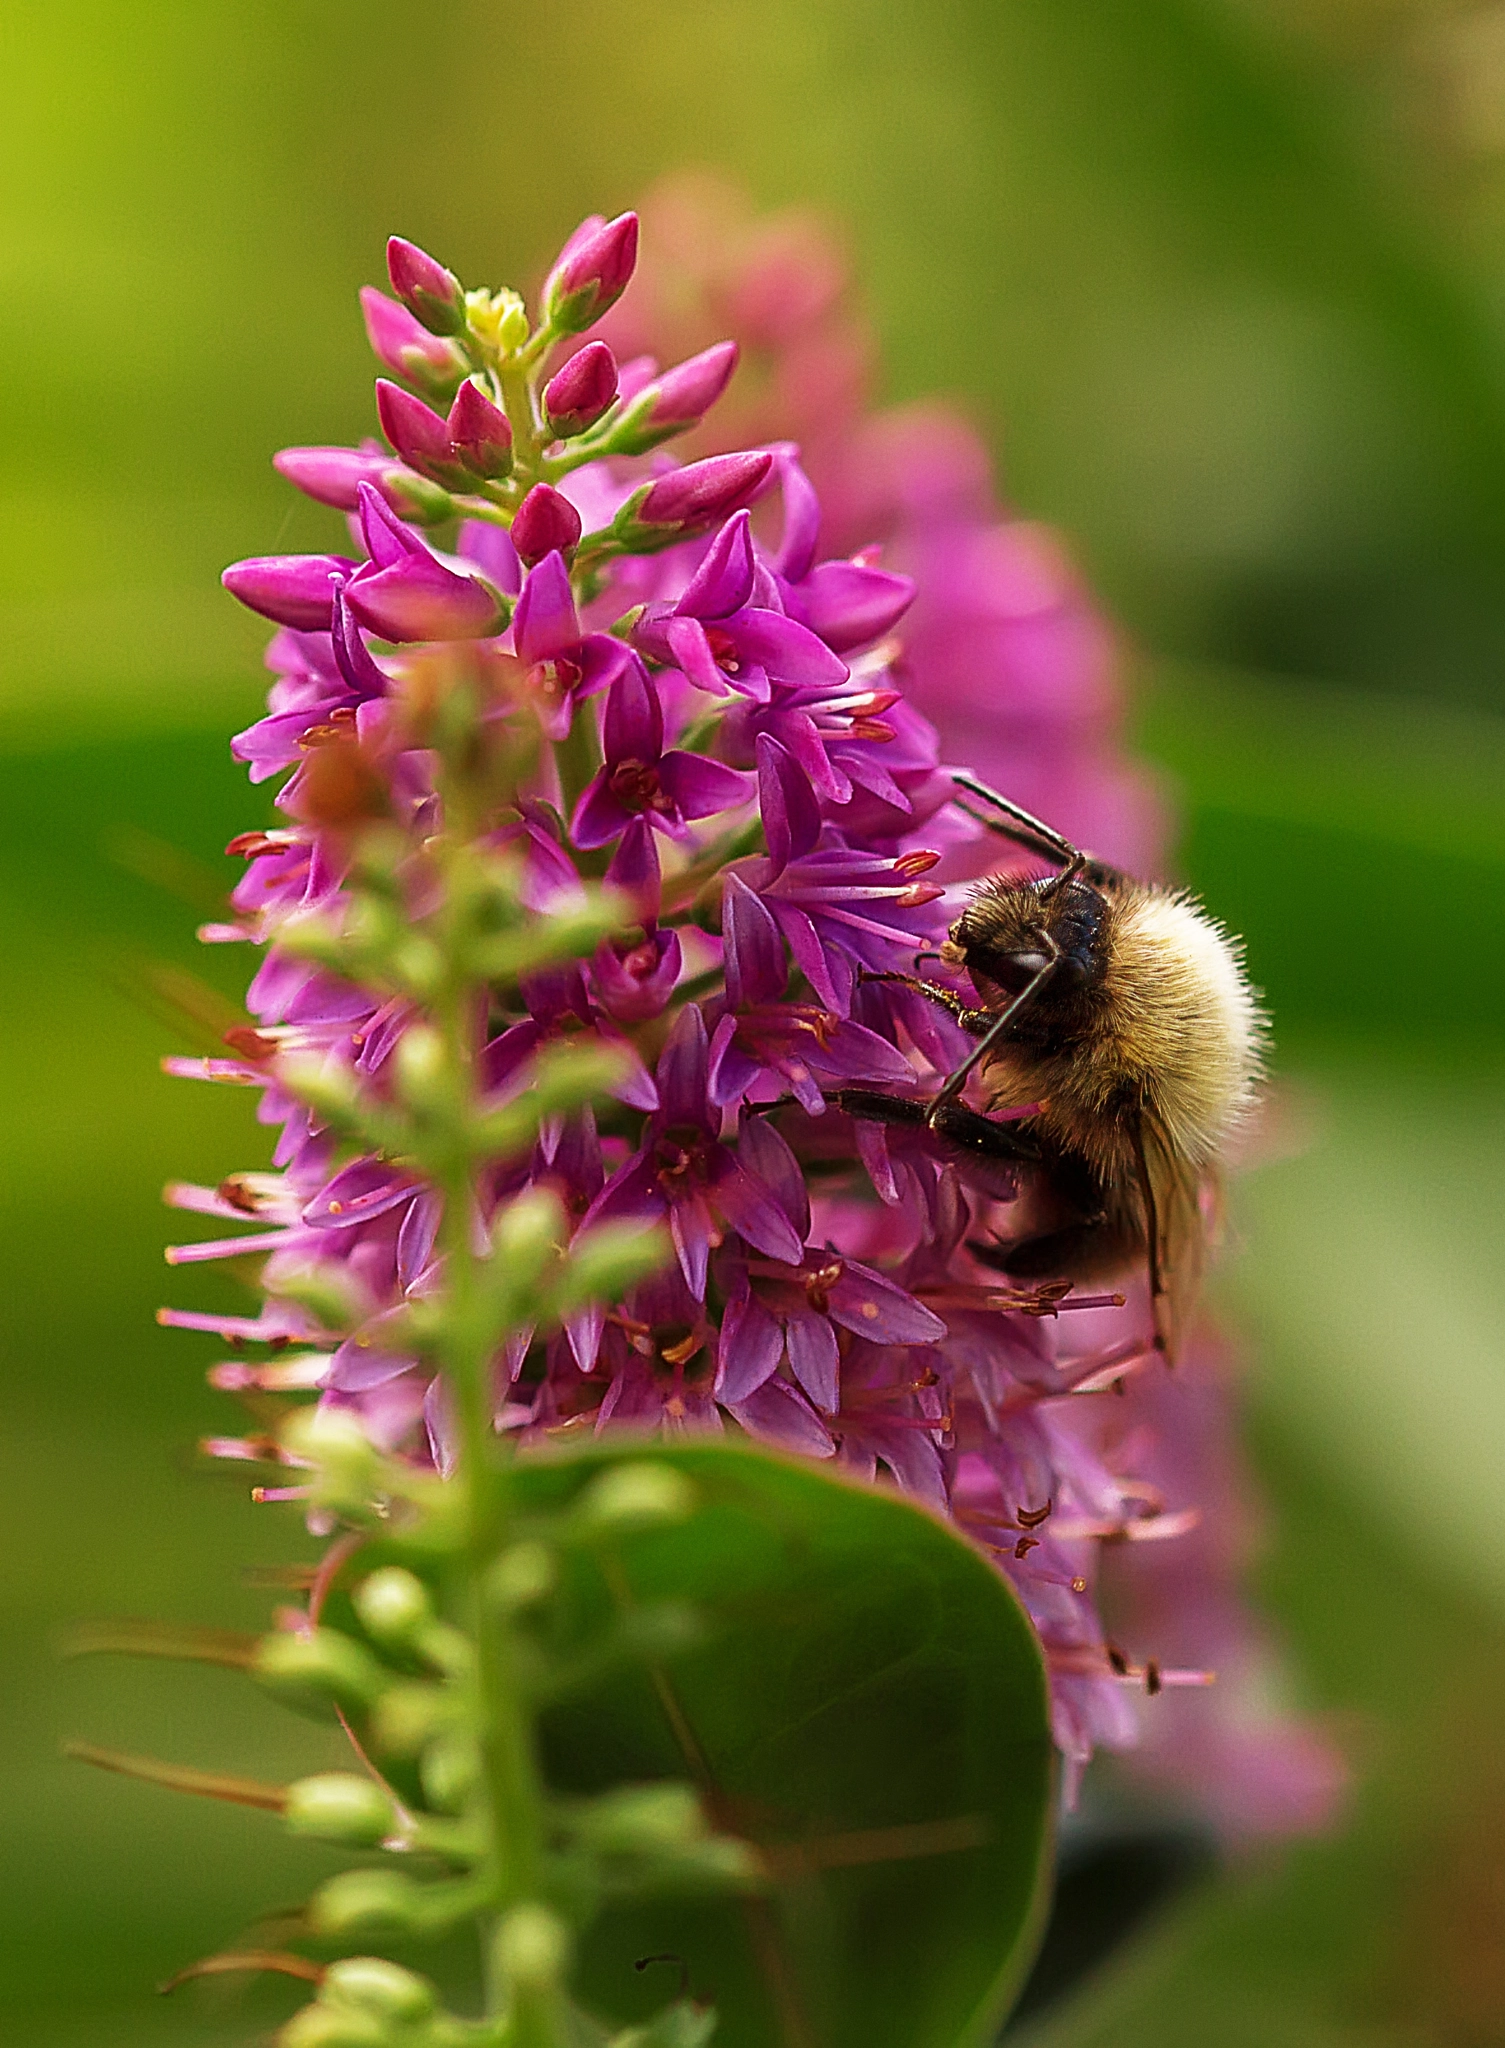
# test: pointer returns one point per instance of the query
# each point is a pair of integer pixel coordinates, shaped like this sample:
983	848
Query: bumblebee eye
1029	963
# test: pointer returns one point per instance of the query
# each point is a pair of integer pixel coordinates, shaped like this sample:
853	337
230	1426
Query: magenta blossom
684	1173
638	779
563	663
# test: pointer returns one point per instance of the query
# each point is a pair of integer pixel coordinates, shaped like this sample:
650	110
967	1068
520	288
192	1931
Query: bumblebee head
1011	930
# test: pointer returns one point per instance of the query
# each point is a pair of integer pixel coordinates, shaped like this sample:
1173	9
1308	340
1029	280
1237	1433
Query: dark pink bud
701	493
546	521
577	395
419	436
425	287
295	590
676	400
330	475
591	272
692	388
480	433
407	349
333	476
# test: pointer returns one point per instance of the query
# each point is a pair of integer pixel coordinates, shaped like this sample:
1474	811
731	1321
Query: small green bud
533	1947
642	1820
367	1903
449	1771
407	1717
348	1469
423	1078
498	319
368	1984
393	1605
327	2026
526	1237
337	1806
329	1091
604	1262
522	1576
309	936
418	964
319	1289
318	1668
636	1496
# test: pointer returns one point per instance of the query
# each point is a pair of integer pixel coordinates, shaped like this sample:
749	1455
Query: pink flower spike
546	522
480	432
576	395
591	272
425	287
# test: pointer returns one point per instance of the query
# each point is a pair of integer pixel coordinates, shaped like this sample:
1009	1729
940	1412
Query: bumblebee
1118	1015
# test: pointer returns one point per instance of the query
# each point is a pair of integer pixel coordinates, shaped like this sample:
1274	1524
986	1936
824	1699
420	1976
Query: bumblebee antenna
1023	828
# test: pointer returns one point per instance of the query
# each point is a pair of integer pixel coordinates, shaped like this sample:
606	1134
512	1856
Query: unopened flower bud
330	475
533	1947
337	1806
591	272
546	521
480	433
526	1235
498	320
636	1496
423	1077
449	1770
333	476
320	1667
368	1903
407	1716
576	395
605	1261
524	1574
688	500
393	1605
639	1819
331	2026
371	1984
675	401
407	348
425	287
419	436
295	590
347	1467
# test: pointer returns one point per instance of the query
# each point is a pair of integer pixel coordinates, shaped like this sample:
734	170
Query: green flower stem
578	756
527	445
512	1787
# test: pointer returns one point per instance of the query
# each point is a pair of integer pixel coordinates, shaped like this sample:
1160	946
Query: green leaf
867	1706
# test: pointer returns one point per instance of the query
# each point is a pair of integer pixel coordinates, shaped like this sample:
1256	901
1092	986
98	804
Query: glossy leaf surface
866	1703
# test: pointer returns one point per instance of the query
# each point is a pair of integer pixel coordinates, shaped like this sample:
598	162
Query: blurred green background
1225	282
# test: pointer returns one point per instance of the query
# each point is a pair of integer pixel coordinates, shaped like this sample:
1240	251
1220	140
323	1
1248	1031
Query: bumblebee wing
1175	1233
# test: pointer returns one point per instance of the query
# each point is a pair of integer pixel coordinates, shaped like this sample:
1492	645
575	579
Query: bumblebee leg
997	1025
970	1019
1152	1239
